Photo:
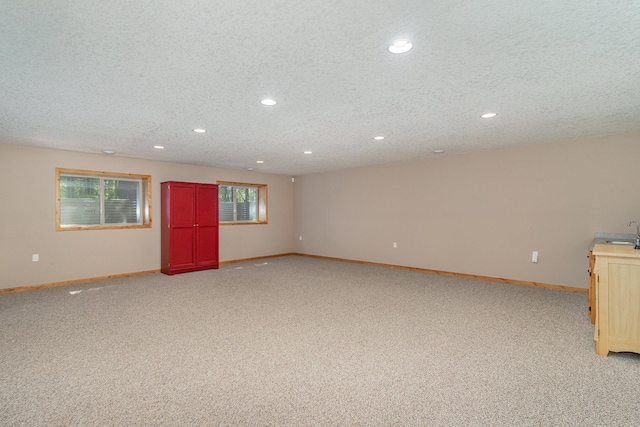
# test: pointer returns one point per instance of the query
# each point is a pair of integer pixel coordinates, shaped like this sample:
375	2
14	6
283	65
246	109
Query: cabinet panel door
207	205
624	302
183	226
183	248
207	243
207	220
182	205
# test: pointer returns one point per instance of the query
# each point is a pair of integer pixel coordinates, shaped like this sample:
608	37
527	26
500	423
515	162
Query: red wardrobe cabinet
189	227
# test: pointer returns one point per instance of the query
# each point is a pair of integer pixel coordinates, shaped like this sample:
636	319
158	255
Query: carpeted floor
297	341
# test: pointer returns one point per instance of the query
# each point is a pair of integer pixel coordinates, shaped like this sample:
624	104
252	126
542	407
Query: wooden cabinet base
170	272
617	299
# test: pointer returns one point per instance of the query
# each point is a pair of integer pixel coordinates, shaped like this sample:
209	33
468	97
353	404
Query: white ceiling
93	75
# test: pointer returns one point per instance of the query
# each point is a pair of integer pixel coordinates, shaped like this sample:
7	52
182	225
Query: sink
619	242
614	239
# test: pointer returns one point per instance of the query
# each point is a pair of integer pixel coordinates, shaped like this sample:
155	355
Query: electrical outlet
300	237
534	256
395	245
35	257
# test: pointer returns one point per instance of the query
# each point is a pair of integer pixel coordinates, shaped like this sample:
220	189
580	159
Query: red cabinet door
207	225
182	224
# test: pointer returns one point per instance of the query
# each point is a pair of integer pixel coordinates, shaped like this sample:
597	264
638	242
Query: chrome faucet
637	233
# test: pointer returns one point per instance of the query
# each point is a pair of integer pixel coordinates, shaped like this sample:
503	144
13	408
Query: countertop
606	238
624	251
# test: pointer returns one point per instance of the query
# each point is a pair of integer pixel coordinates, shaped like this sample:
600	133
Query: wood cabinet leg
601	349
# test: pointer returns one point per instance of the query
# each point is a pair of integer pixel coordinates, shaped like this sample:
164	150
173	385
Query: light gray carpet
297	341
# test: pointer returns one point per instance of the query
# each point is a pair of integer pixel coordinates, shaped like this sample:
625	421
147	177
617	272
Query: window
88	200
240	203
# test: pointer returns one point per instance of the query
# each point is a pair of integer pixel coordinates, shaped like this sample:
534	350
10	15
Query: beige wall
478	213
27	219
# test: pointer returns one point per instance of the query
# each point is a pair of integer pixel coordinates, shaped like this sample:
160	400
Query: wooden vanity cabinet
189	222
617	296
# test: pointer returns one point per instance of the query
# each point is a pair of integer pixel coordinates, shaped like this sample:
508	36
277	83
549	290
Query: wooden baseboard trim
451	273
76	282
399	267
115	276
234	261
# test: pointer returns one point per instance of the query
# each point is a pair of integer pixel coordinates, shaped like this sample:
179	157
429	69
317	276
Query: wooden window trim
147	208
263	203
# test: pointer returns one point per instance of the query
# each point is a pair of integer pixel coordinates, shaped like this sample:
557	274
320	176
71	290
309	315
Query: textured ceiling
90	75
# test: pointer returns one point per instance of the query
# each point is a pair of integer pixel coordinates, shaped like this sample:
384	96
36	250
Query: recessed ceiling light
378	138
308	152
438	151
260	161
199	130
109	152
400	46
159	147
269	102
249	169
488	115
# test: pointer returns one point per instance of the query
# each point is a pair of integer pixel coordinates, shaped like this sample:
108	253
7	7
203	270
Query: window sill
243	223
101	227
